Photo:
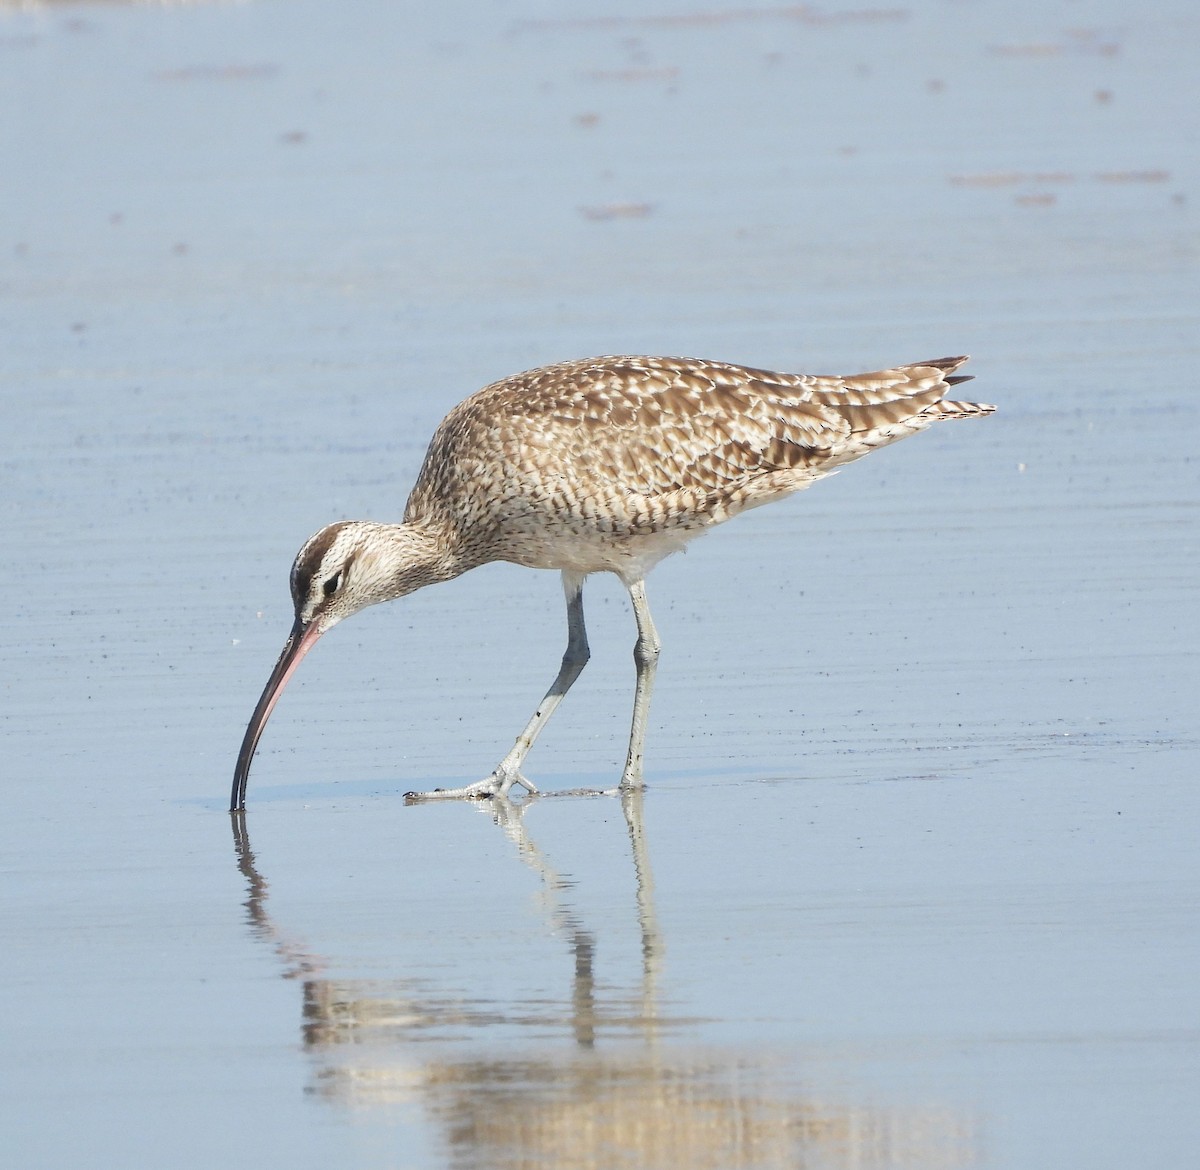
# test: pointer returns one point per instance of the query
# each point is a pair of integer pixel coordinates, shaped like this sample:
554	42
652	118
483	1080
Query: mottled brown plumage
605	464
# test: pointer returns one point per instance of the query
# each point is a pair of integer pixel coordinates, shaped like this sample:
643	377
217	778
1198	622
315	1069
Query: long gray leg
508	771
645	655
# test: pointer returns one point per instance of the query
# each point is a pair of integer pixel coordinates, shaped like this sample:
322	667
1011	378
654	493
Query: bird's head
333	576
355	563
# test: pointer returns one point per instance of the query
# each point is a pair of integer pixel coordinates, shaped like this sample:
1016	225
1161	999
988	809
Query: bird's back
604	462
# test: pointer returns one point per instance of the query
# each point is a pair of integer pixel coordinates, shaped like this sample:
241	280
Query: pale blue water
918	883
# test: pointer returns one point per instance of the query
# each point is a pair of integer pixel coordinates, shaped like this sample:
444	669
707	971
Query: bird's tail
947	407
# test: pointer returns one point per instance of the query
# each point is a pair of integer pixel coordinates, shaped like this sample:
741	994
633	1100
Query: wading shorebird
601	465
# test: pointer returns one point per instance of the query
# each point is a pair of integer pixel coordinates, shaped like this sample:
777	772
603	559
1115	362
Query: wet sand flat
914	881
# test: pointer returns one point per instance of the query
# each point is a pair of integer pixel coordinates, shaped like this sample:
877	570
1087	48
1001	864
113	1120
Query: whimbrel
601	465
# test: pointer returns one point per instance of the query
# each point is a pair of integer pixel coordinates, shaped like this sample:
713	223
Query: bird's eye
331	586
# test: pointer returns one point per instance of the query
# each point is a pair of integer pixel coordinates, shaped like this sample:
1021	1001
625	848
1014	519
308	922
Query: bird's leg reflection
633	805
511	818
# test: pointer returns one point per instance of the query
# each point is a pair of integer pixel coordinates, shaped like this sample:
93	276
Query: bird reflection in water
626	1091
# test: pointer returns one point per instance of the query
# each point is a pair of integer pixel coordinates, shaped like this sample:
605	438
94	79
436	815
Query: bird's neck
410	556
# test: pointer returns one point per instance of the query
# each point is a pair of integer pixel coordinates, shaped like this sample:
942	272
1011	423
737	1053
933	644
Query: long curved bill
300	641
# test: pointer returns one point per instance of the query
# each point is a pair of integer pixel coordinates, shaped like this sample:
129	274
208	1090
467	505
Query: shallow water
914	883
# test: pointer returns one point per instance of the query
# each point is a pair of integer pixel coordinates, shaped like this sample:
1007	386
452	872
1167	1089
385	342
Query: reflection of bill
622	1092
